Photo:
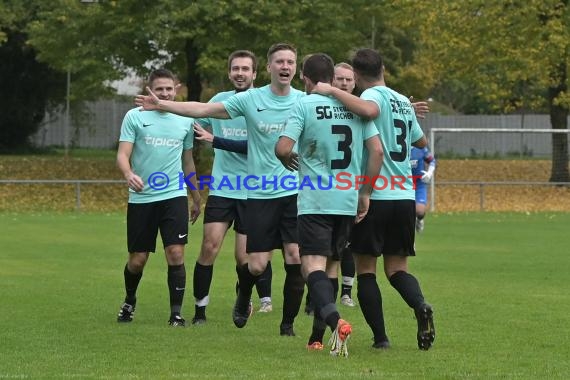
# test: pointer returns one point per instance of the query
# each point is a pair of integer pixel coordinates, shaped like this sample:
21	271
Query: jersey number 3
401	141
343	146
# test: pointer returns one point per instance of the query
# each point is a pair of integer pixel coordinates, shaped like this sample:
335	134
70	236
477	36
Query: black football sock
370	300
293	289
246	282
237	281
264	284
319	329
131	284
308	298
176	286
334	283
408	287
348	272
323	298
202	282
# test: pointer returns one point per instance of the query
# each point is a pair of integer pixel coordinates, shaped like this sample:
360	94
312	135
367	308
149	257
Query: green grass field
498	284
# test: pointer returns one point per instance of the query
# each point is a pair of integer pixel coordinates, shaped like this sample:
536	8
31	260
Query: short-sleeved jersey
229	167
158	140
330	144
398	128
418	159
265	115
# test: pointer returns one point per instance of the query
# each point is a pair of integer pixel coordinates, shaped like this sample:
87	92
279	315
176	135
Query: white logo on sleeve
180	236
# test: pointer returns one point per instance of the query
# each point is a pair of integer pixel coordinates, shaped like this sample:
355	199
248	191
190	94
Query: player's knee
136	262
175	255
257	268
210	248
207	256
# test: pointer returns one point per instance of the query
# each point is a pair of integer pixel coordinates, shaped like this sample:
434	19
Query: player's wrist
196	197
365	190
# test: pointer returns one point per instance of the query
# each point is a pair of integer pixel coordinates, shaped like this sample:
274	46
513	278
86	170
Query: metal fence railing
483	185
76	182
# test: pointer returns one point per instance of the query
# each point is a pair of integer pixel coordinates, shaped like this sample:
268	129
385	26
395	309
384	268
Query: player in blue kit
271	209
419	157
388	230
330	143
154	143
226	206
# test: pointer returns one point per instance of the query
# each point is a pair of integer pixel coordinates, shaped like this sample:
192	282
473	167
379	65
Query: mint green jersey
265	115
229	168
398	128
158	140
330	144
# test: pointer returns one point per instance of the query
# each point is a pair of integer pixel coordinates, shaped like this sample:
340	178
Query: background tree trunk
559	120
194	86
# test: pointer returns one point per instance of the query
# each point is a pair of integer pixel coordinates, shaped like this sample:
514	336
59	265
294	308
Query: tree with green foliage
99	42
28	88
514	54
103	41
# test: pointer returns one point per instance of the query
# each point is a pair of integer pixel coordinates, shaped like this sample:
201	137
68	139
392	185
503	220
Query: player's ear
177	87
254	75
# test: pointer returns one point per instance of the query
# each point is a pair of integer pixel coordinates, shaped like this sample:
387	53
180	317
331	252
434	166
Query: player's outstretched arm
151	102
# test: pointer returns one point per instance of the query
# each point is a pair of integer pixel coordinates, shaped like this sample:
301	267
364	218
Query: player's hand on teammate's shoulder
322	88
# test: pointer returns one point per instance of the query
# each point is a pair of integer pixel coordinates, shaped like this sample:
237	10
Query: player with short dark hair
226	206
389	228
344	80
151	144
271	208
330	143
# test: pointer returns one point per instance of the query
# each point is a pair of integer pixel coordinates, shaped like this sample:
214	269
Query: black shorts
324	235
145	219
270	223
222	209
387	229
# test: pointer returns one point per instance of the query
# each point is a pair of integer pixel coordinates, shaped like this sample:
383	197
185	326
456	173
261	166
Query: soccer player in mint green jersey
330	143
271	208
226	205
344	80
389	228
155	148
